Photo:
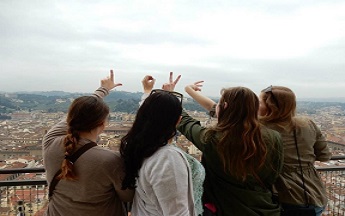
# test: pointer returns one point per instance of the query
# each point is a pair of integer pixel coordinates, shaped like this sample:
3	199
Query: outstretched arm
194	91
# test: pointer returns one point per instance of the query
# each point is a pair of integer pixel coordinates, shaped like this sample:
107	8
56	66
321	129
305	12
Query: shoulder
108	162
272	138
106	156
166	156
268	133
105	152
169	151
302	121
306	123
167	164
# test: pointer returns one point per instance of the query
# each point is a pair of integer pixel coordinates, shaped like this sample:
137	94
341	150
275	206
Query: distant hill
62	94
118	101
59	101
48	93
336	99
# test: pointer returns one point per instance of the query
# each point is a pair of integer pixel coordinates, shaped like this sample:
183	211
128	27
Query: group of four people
257	148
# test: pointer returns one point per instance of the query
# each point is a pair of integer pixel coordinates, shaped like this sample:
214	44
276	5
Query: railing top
23	170
338	157
42	170
33	182
331	168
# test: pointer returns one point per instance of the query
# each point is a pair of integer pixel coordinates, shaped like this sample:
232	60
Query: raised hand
148	83
109	82
196	86
170	86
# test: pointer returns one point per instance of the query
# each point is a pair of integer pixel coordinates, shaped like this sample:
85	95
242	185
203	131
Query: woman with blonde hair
242	158
83	178
299	185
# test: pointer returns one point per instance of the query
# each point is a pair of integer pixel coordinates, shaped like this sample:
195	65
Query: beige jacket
99	173
312	146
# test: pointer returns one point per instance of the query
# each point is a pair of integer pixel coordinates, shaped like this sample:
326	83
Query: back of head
85	114
240	147
280	105
159	114
154	125
242	105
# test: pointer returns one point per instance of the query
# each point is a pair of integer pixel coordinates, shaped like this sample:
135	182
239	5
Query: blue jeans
318	210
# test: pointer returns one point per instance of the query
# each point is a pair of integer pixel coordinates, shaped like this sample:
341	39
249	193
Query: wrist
188	88
105	89
101	92
147	91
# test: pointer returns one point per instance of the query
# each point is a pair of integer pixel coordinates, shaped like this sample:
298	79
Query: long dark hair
154	125
84	114
240	147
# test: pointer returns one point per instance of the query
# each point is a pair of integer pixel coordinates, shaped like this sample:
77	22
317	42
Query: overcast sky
70	45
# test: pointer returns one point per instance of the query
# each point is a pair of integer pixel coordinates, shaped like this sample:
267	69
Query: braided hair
85	114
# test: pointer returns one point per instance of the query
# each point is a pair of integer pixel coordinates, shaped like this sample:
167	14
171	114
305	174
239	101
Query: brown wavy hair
281	114
240	144
85	114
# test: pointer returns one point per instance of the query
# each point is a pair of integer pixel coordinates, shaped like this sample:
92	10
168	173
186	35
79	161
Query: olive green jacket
312	146
231	196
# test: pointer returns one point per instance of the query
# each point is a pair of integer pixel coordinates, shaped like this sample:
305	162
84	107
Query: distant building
21	116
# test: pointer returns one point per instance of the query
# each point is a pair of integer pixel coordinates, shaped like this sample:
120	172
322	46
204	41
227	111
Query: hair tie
68	157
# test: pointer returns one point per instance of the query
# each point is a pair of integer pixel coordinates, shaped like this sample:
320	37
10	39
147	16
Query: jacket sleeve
114	168
57	131
278	160
321	149
192	130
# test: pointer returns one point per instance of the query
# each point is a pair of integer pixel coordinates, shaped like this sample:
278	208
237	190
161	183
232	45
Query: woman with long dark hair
157	170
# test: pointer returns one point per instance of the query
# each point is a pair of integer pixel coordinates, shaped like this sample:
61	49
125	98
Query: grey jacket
164	185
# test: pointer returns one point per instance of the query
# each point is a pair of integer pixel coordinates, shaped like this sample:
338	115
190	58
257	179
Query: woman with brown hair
84	182
242	158
303	144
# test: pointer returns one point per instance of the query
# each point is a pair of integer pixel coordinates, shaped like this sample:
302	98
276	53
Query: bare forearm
204	101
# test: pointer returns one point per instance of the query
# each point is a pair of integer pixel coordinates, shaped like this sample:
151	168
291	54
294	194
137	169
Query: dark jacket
231	196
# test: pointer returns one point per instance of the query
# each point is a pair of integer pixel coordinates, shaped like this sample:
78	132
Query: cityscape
55	51
20	147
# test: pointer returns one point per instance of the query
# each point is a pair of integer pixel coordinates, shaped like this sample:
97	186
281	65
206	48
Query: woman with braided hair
90	183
